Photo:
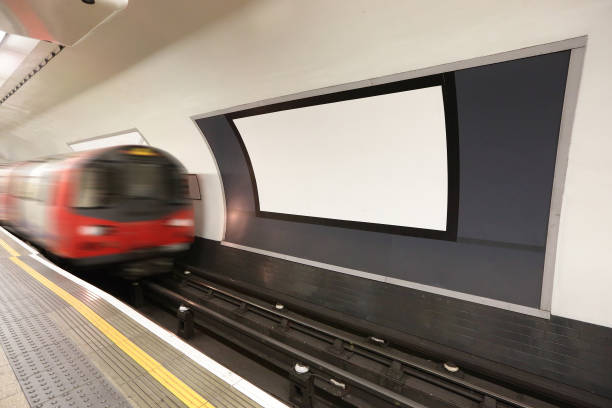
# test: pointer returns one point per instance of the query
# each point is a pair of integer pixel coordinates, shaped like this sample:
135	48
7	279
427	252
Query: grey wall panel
234	171
493	271
368	251
504	273
509	116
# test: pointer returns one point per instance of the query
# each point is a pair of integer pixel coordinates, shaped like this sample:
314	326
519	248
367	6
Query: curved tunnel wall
508	116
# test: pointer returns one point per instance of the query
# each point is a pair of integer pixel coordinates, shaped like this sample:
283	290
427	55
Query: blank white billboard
380	159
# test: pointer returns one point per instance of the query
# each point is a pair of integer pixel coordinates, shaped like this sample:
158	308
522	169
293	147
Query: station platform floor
66	343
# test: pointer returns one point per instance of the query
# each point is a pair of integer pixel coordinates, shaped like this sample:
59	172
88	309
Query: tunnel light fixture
30	74
128	137
14	49
19	44
9	61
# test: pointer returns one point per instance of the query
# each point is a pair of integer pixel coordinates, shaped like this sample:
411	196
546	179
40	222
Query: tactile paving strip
50	369
142	389
137	386
147	393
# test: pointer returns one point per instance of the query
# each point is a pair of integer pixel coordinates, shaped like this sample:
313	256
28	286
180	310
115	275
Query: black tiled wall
563	350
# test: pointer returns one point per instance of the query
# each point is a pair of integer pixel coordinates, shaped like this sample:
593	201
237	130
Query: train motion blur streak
100	206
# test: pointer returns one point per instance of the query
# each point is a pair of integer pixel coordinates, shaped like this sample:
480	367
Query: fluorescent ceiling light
13	51
9	62
22	45
130	138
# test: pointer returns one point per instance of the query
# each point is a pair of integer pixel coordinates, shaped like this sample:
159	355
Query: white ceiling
143	28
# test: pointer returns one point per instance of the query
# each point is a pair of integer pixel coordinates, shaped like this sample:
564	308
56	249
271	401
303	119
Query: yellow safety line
182	391
8	248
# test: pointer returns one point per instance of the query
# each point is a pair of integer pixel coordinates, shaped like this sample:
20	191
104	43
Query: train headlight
93	230
179	222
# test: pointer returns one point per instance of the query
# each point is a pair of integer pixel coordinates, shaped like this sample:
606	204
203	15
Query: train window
31	188
45	178
191	187
95	188
26	188
21	187
45	188
146	181
13	186
3	182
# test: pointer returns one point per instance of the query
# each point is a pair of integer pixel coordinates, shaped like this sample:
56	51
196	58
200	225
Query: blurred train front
100	207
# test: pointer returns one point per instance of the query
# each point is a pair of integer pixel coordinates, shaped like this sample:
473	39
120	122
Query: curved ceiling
143	28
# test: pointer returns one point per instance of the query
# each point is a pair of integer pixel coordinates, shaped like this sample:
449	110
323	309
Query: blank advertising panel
379	159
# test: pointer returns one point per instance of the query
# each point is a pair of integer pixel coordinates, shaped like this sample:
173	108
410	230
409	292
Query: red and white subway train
102	206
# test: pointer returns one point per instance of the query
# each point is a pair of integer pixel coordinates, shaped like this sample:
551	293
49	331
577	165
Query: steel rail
369	347
304	357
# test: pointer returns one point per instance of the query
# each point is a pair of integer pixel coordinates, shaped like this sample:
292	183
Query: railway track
326	365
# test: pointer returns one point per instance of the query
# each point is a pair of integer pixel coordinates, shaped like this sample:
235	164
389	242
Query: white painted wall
255	50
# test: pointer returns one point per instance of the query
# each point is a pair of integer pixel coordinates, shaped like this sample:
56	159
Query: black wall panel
509	116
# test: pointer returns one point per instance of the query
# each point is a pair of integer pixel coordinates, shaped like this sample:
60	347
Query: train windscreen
96	188
140	188
146	181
